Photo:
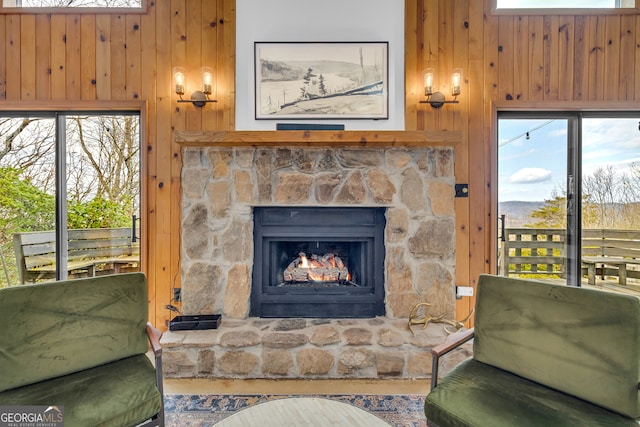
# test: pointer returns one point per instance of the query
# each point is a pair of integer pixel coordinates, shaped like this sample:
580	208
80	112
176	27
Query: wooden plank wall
95	58
92	60
533	61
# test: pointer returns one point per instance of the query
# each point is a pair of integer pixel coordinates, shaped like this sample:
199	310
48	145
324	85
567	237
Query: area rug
192	410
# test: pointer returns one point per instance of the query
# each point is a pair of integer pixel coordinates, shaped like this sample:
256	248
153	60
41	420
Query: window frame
56	109
574	113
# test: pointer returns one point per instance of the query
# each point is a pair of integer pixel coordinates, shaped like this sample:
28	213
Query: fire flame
304	263
328	261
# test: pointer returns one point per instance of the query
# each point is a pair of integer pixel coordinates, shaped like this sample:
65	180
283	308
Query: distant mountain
295	70
518	213
278	71
326	66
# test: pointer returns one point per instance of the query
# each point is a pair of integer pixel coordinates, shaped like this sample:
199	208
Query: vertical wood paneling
465	272
209	24
43	56
626	89
118	58
521	58
170	115
429	28
13	69
506	57
3	70
413	62
227	48
461	41
193	63
636	56
73	59
479	172
445	60
88	57
133	57
581	60
566	57
150	80
165	109
612	57
28	56
103	57
551	55
58	57
536	58
229	54
597	42
461	55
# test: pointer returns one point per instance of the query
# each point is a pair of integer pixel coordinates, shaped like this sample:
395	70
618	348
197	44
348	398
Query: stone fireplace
226	186
222	185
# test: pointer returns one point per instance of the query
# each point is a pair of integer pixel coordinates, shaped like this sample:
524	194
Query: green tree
23	207
552	215
97	213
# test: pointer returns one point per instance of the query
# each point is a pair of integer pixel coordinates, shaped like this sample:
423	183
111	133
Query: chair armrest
154	335
452	342
154	338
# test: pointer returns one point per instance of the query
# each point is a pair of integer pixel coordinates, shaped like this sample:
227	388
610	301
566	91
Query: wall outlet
464	291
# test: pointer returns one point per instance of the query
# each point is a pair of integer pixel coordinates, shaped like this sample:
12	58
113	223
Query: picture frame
321	80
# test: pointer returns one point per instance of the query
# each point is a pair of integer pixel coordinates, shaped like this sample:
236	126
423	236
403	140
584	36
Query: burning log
328	268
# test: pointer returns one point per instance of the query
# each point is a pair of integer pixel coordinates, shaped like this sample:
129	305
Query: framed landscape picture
328	80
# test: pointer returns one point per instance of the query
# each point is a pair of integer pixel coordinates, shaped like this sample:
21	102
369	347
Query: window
569	195
554	5
66	4
69	195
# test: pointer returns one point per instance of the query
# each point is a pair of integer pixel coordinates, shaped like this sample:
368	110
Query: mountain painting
321	80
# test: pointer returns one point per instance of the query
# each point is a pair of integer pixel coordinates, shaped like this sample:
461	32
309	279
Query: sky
532	169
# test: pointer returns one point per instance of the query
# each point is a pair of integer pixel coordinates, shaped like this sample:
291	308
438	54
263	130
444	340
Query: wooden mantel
317	138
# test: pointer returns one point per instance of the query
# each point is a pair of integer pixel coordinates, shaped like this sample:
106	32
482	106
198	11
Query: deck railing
541	251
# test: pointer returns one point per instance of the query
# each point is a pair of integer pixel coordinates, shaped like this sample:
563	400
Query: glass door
70	193
611	200
533	171
569	197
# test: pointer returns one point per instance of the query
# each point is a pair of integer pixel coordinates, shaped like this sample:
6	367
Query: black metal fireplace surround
339	239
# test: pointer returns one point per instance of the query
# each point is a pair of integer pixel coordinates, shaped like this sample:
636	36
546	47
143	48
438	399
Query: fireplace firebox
318	262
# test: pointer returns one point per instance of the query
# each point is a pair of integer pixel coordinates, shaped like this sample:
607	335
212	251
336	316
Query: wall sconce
200	97
437	99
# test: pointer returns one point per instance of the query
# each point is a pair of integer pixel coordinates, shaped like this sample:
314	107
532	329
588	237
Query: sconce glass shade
207	80
456	81
179	80
436	98
428	76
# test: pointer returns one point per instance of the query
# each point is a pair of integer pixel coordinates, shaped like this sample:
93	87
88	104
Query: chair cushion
56	328
121	393
476	394
583	342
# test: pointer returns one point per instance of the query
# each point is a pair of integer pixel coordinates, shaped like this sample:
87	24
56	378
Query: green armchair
82	345
543	355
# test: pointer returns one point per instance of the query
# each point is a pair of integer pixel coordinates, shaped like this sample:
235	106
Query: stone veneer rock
221	185
306	348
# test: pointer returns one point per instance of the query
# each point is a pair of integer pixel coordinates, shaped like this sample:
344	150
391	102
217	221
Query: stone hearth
221	185
305	348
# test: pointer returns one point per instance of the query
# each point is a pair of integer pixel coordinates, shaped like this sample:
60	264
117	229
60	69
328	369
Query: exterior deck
610	258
